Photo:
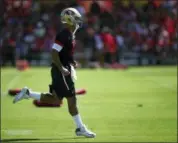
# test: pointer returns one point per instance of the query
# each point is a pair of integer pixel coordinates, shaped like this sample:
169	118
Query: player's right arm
56	48
57	62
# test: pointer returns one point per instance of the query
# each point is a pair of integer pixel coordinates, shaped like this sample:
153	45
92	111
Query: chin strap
76	28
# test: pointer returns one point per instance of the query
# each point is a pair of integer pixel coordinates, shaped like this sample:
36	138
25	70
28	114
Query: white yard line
11	83
17	132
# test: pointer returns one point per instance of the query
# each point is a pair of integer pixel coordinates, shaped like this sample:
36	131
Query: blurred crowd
28	29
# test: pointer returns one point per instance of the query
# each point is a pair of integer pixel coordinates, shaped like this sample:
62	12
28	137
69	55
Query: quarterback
62	72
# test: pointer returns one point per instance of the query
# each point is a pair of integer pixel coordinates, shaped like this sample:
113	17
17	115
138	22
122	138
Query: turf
135	105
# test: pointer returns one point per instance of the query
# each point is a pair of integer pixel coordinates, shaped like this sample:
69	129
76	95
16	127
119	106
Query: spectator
99	49
120	45
110	46
8	51
95	8
106	20
29	28
89	41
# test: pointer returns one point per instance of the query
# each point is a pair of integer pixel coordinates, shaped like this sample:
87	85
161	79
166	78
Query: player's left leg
70	95
81	129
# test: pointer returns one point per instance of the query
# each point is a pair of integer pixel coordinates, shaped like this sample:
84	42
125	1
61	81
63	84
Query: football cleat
83	131
23	94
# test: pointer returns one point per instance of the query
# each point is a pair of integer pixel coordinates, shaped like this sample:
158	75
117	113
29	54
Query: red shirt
170	25
109	42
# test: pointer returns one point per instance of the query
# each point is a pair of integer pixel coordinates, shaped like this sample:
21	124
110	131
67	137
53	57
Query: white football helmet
72	17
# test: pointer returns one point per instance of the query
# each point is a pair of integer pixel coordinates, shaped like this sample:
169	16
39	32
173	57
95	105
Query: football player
63	71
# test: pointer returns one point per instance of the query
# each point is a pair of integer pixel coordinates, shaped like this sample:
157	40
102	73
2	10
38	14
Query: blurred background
134	105
125	32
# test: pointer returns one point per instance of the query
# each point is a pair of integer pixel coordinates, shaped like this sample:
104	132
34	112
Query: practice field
135	105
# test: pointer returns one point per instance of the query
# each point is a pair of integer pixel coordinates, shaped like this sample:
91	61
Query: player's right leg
26	93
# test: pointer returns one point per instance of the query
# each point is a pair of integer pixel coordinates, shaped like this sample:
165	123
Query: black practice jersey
64	44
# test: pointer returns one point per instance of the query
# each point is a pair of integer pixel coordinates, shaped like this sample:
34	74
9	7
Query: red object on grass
39	104
80	91
22	65
118	66
16	91
13	91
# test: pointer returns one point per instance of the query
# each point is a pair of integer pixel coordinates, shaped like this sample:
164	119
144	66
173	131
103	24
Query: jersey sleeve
59	42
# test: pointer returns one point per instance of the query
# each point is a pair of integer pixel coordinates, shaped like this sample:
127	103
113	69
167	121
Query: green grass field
110	108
